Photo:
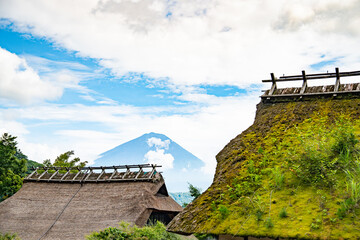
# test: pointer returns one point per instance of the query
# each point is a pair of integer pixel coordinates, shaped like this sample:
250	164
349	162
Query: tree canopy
63	160
12	168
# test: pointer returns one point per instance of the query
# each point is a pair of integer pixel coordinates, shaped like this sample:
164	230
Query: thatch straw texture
78	210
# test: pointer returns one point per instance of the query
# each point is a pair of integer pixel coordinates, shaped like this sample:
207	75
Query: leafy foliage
125	231
12	169
194	191
283	213
8	236
63	160
32	164
325	152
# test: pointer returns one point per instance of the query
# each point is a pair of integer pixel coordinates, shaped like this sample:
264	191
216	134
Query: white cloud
20	83
159	157
158	143
197	42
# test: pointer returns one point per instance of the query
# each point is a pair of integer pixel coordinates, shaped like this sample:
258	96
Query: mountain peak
155	148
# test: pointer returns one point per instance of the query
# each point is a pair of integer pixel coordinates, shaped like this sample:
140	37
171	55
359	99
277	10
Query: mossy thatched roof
255	178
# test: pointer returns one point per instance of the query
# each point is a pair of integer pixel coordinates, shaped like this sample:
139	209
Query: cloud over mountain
178	165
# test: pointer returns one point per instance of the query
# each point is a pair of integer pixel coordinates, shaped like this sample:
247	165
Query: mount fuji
178	165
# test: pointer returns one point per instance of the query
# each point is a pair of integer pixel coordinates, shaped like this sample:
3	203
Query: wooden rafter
92	174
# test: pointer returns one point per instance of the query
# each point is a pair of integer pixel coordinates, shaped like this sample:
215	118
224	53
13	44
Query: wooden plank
353	73
313	77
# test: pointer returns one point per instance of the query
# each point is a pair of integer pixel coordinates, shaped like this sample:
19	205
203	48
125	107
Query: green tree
12	169
63	160
194	191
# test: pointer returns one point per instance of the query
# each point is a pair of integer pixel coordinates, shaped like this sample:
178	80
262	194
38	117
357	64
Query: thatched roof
226	209
64	210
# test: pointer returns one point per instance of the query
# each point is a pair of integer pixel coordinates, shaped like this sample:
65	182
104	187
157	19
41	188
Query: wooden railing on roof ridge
87	174
329	90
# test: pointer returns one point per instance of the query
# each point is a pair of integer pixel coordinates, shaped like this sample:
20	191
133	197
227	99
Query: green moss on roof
258	176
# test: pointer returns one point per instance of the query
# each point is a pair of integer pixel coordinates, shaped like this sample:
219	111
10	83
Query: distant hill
30	164
179	166
182	197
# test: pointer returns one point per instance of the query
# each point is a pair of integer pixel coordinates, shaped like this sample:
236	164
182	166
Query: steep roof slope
246	196
77	209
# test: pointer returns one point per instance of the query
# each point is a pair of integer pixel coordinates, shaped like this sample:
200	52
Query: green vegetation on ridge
294	175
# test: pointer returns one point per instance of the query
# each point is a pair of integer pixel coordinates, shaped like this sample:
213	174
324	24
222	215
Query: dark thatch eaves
65	210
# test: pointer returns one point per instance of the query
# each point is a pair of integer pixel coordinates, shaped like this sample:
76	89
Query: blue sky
90	75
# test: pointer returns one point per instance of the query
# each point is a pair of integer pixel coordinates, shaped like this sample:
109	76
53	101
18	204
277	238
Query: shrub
278	177
9	236
269	223
224	211
324	152
156	231
259	215
283	213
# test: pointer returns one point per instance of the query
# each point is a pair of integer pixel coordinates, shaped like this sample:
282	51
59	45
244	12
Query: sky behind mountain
88	75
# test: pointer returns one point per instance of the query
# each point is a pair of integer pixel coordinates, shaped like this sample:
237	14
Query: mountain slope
133	152
178	165
284	176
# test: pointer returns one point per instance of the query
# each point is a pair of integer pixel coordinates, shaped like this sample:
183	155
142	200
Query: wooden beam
273	86
76	175
42	174
337	83
113	174
304	86
138	174
126	173
88	174
152	173
103	171
53	174
31	174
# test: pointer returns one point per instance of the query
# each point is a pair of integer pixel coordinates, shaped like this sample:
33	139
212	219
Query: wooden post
273	86
304	86
337	83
